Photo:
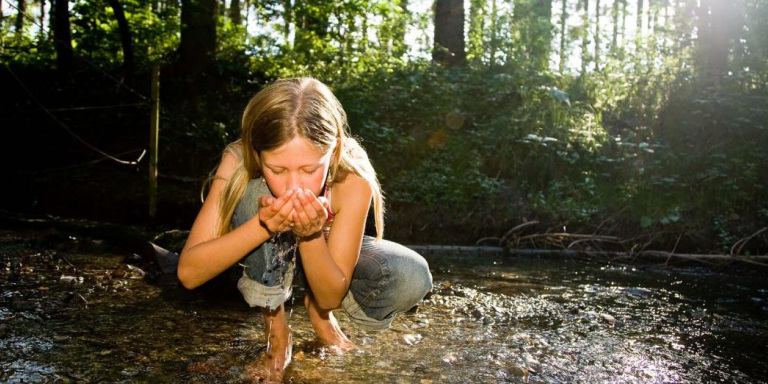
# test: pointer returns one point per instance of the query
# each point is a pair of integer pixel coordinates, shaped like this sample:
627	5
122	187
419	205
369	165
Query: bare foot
327	328
270	366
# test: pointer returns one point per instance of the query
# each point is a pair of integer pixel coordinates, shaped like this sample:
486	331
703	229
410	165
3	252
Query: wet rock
608	319
450	358
60	338
71	279
411	339
20	304
517	370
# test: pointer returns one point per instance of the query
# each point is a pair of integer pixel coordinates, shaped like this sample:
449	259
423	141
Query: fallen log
655	256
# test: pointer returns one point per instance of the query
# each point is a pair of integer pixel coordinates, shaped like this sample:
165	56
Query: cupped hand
275	214
309	214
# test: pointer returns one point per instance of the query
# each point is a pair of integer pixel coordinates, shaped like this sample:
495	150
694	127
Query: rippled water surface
76	310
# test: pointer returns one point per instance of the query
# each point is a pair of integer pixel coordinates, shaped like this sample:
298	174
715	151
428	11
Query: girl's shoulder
235	149
231	159
351	190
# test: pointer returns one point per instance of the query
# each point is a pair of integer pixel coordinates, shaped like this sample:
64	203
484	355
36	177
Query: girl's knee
419	281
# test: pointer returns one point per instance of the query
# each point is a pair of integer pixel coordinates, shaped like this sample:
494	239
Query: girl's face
295	164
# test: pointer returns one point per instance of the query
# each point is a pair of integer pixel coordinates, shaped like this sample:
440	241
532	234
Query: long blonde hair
286	108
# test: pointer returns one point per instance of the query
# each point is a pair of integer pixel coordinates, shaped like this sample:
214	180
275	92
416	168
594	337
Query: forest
621	125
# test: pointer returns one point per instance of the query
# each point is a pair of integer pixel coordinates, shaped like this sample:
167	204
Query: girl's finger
318	205
265	201
310	212
287	224
311	205
284	211
305	220
277	204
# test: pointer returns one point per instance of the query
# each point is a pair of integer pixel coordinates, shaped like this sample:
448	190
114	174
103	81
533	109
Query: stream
80	310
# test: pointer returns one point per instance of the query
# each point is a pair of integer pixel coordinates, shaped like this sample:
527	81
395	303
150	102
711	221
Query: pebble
411	339
609	319
450	358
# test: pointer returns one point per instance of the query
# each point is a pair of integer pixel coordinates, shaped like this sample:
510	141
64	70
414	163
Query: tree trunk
476	29
234	12
597	35
563	34
533	19
197	45
125	40
714	36
62	36
615	18
310	22
623	22
639	25
287	20
494	43
22	8
41	34
400	46
542	33
449	33
585	37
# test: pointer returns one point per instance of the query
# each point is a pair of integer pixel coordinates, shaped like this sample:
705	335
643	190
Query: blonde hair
284	109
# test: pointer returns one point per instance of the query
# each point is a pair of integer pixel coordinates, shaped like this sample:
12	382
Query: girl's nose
293	183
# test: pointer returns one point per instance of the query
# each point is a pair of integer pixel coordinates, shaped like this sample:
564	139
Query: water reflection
489	319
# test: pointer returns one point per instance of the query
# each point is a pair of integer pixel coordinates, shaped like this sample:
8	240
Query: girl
295	181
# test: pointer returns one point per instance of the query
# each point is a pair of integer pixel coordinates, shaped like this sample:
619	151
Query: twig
674	248
744	241
597	238
515	229
489	238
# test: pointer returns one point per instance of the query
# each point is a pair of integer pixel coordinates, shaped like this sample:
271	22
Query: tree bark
476	34
22	8
585	37
494	41
197	45
234	12
615	18
597	35
715	36
62	36
310	22
449	47
41	34
563	34
125	40
640	31
399	45
287	20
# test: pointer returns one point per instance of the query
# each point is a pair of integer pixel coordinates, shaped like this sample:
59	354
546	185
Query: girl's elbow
186	278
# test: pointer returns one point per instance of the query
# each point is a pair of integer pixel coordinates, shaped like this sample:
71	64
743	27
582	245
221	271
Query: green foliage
631	128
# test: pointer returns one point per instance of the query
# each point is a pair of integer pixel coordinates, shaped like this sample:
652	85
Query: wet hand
310	214
275	214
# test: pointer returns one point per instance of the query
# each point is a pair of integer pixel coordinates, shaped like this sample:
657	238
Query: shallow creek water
75	310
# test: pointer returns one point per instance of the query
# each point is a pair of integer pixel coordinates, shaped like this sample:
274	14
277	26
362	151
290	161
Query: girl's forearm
326	280
206	260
